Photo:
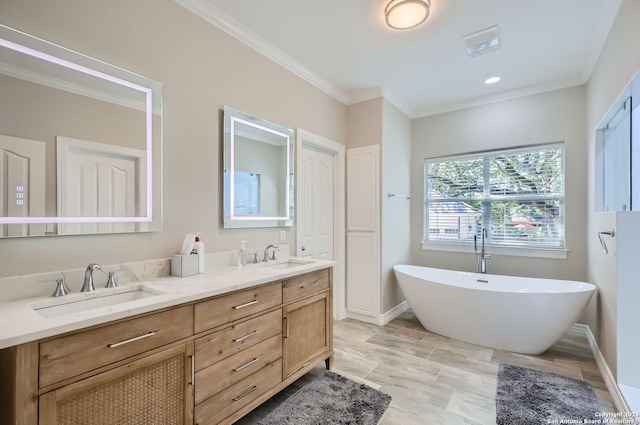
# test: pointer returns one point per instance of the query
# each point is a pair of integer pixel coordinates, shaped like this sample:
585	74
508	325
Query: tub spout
481	256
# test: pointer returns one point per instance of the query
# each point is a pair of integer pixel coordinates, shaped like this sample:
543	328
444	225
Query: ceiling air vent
482	42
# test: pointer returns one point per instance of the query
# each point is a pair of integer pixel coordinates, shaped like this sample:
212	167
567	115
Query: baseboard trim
380	319
607	375
394	312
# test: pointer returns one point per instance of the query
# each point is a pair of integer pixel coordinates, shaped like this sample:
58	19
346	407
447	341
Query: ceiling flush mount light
492	80
407	14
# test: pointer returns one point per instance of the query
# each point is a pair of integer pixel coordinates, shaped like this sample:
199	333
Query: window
517	195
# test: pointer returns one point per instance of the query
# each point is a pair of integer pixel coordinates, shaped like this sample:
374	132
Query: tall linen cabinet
363	233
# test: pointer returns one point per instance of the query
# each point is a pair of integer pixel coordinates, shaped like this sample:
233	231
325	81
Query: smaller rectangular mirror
258	172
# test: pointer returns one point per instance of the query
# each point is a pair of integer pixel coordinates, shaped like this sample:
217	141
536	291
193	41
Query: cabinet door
153	390
363	273
363	175
307	333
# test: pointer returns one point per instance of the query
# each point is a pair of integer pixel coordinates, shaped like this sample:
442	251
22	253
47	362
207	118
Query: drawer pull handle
242	338
238	307
238	369
193	370
310	284
240	397
118	344
286	328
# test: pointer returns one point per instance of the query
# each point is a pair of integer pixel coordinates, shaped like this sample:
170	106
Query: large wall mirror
80	143
258	172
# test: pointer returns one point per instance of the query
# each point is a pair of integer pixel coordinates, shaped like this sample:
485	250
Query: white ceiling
345	48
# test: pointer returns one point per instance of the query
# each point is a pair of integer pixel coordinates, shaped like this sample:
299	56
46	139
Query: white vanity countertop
21	323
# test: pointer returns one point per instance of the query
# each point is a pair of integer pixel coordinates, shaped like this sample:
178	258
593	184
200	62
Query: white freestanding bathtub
524	315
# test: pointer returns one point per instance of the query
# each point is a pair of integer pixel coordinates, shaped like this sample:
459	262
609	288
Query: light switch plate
283	236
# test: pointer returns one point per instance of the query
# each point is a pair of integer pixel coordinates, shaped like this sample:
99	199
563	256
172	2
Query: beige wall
549	117
202	69
618	62
396	212
364	123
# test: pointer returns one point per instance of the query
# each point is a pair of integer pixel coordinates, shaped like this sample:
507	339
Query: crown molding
501	97
216	17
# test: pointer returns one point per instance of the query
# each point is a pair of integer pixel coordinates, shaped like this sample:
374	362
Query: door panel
315	221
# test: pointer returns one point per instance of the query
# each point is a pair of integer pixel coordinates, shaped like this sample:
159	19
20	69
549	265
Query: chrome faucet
87	286
266	253
481	256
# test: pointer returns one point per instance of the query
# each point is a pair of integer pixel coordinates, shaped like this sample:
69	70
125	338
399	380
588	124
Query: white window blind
517	195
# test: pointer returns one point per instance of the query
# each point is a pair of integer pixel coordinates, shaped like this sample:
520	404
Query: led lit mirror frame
260	153
77	73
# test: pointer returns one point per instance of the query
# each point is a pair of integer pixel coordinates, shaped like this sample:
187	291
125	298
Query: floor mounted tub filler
523	315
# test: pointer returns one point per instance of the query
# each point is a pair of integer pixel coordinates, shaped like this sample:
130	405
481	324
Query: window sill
516	251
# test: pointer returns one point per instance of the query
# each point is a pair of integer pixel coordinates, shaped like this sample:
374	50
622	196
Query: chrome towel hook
611	233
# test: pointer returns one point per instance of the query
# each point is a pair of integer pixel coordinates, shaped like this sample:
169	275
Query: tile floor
434	379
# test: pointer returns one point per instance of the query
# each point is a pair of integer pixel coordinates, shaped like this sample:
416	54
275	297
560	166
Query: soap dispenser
242	254
198	248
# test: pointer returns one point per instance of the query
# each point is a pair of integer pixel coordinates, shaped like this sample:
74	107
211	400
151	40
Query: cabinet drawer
213	379
219	345
227	308
230	400
71	355
306	284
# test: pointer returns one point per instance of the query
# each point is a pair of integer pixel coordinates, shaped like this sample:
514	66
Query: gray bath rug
331	399
530	397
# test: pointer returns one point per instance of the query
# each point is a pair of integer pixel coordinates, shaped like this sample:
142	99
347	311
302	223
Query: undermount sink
286	264
78	305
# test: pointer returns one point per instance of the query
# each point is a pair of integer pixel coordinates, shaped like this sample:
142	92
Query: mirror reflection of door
99	180
22	184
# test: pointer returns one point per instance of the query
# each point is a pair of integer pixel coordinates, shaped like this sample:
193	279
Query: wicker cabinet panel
219	345
214	379
301	286
228	401
307	333
81	352
228	308
153	390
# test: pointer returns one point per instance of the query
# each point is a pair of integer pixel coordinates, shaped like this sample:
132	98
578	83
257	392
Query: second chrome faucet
266	253
87	286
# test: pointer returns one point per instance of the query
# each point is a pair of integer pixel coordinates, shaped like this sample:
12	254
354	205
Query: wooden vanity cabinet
208	362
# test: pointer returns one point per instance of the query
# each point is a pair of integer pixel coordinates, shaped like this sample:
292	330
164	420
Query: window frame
512	249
